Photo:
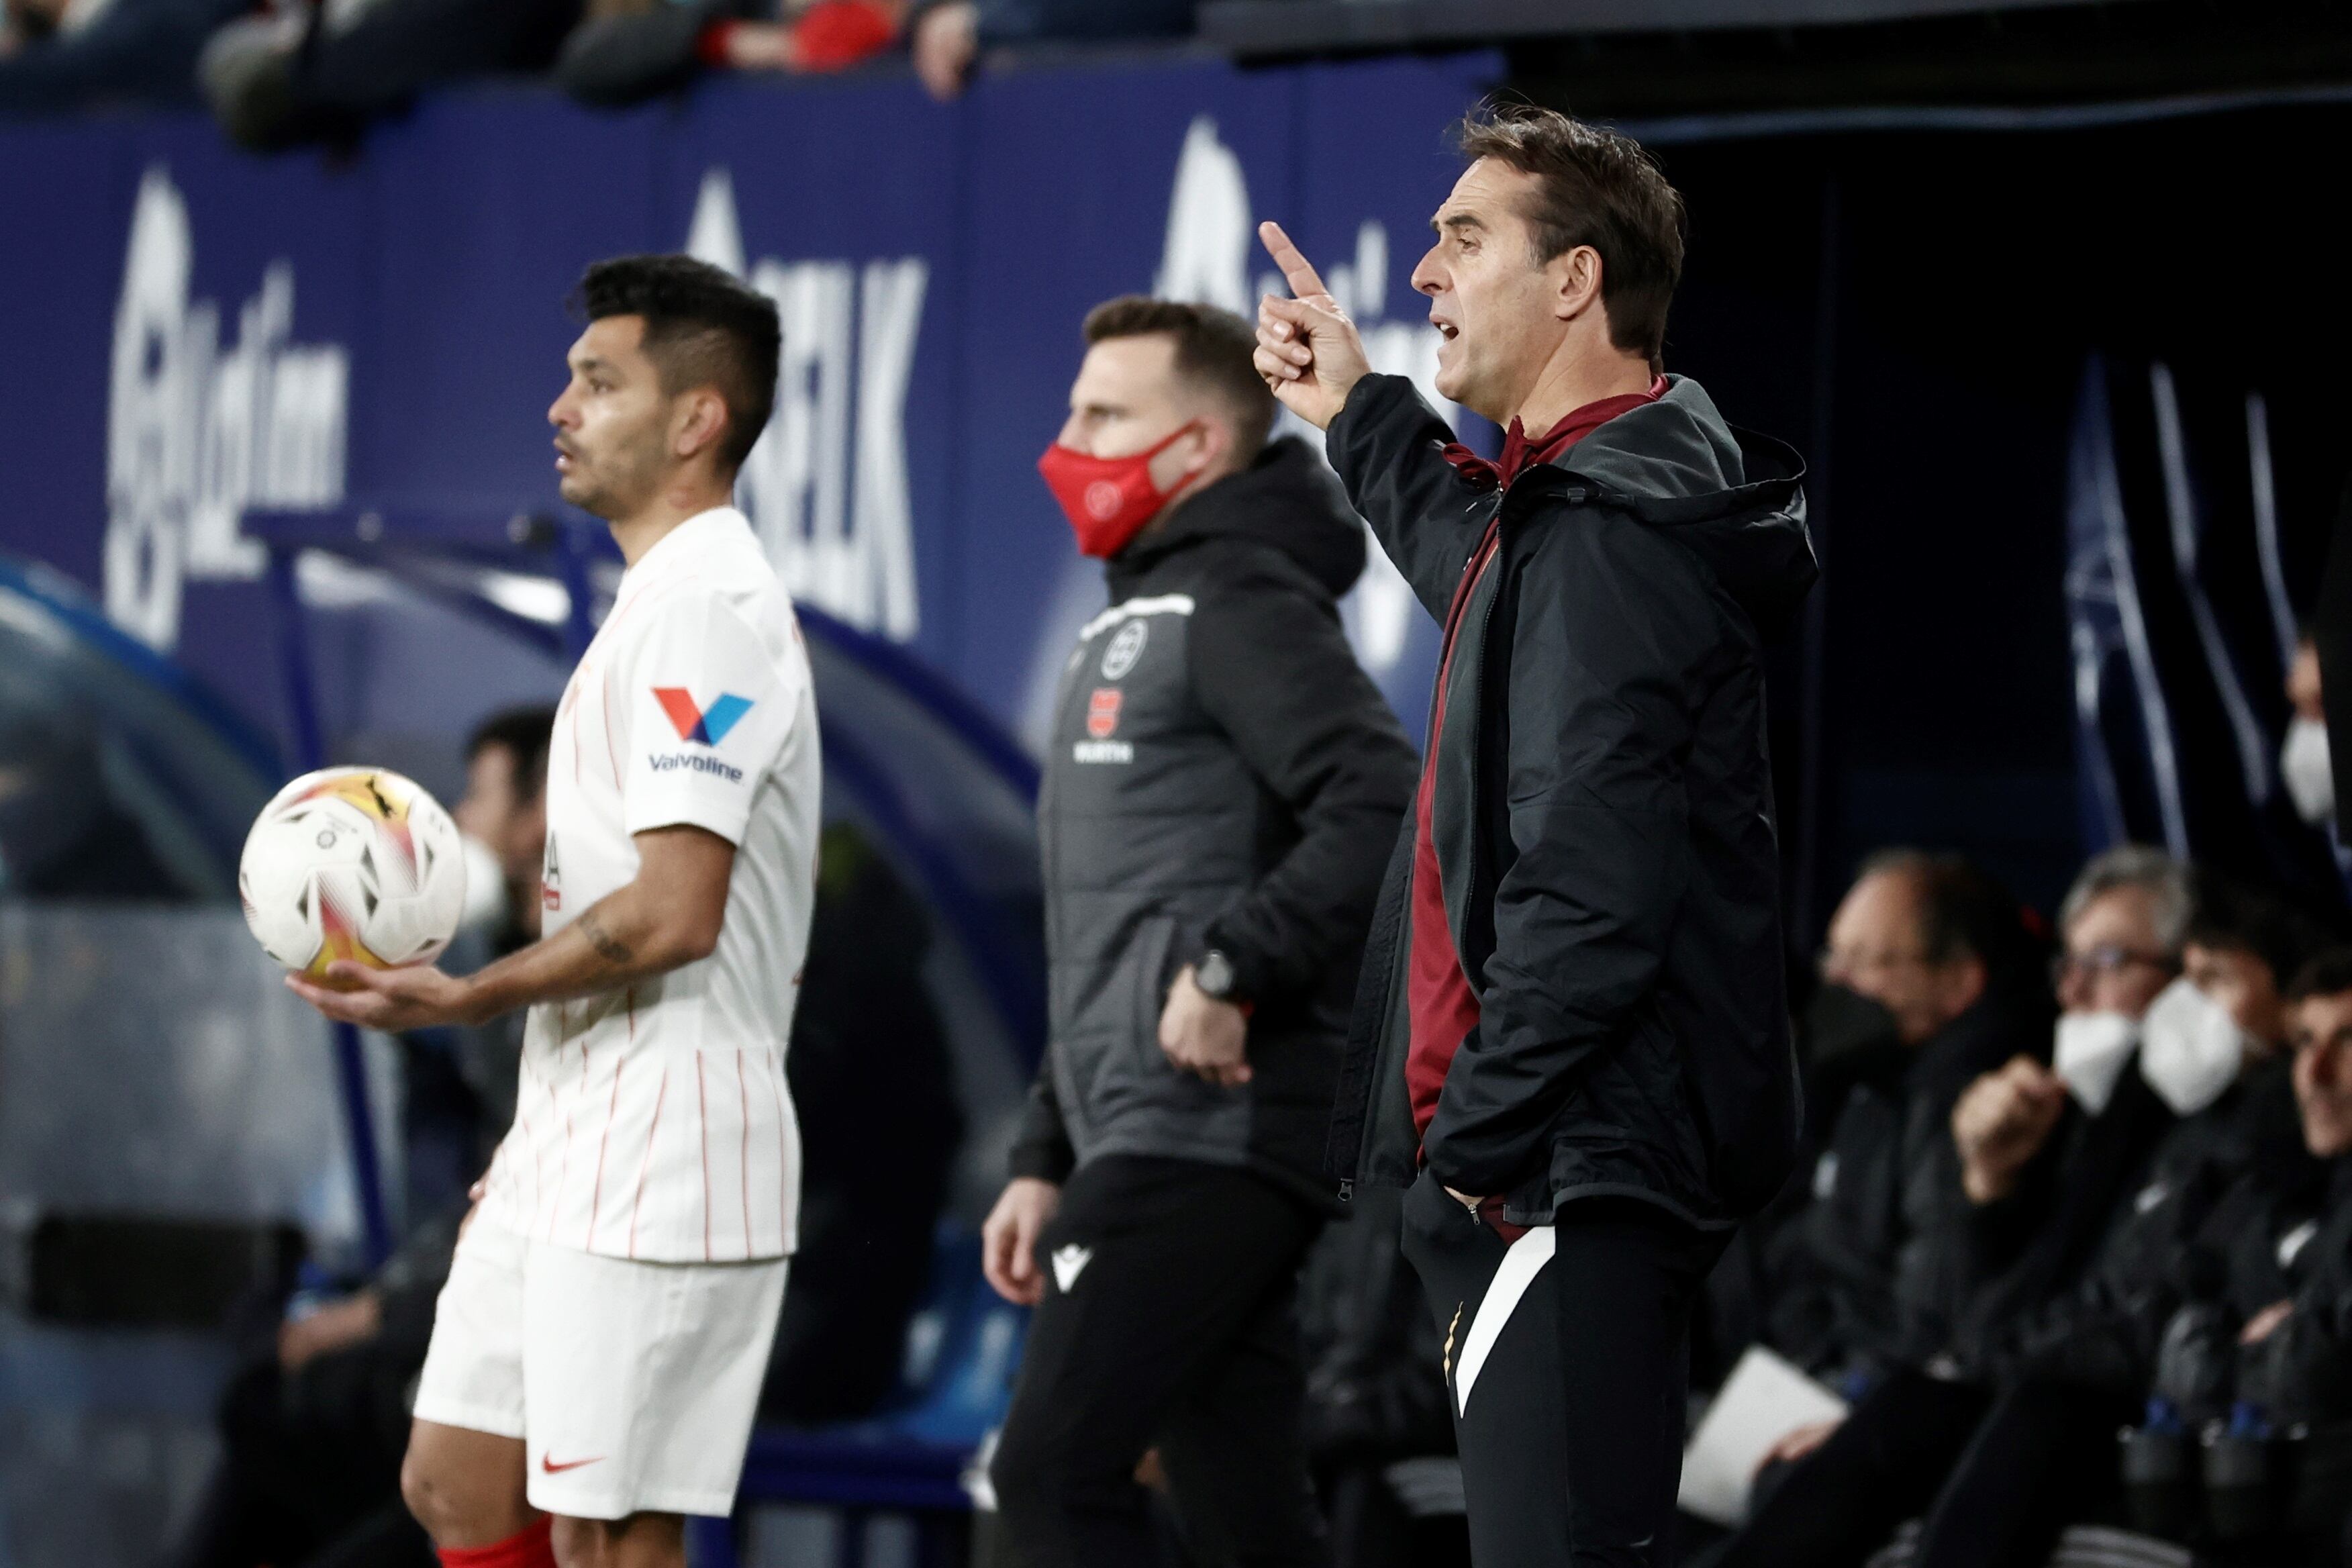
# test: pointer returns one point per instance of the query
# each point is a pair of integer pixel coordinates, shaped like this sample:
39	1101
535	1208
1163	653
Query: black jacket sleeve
1612	632
1271	668
1042	1147
1387	446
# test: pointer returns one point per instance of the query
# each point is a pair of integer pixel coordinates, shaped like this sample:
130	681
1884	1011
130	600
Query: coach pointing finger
1308	349
1572	1019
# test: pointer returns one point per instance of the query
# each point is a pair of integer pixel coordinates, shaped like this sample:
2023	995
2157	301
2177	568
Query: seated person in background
2048	1161
1375	1391
1937	951
320	73
2305	765
948	35
2069	1371
2261	1346
60	56
627	50
312	1432
874	1087
459	1084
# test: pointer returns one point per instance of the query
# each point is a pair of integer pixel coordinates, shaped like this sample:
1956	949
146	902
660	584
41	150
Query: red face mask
1107	499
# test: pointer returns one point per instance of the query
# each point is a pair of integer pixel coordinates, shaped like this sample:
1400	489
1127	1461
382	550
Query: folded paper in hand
1763	1400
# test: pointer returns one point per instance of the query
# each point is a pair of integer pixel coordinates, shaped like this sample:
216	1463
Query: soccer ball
356	863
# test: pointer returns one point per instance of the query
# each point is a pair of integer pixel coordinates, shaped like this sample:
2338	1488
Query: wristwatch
1216	977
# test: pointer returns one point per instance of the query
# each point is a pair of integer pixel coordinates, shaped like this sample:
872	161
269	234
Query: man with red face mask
1221	788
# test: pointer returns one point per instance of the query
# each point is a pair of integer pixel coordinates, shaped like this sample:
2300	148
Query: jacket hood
1732	497
1287	498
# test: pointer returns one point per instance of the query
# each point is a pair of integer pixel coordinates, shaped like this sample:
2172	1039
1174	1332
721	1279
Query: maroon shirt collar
1519	454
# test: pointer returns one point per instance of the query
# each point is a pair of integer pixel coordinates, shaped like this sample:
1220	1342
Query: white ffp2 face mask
2306	770
2190	1049
2092	1051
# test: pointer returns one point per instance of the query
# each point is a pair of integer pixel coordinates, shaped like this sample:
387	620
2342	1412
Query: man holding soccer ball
597	1354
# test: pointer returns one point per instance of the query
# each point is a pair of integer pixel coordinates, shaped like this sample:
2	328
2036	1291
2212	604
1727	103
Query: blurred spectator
948	34
631	50
458	1085
313	1429
1939	952
322	71
59	55
2236	1368
2305	763
2049	1158
874	1172
1375	1391
62	833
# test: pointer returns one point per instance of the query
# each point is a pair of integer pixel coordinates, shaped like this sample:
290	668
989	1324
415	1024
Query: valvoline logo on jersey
707	725
701	727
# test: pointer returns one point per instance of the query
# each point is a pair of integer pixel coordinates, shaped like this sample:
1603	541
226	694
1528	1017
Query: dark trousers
1997	1477
1569	1384
2042	1459
1167	1324
1883	1465
309	1469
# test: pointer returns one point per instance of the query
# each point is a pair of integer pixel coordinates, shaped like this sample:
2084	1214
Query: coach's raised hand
1308	349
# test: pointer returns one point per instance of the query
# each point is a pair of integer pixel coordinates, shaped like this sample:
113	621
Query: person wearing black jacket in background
1573	1008
1219	786
1939	952
2048	1161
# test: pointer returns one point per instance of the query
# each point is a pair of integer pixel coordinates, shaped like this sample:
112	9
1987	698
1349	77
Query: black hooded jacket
1222	774
1887	1176
1602	814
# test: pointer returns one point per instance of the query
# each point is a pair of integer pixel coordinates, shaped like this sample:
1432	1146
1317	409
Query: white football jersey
653	1121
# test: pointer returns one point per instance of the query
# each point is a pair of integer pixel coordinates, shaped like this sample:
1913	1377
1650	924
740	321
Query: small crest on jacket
1125	649
1102	713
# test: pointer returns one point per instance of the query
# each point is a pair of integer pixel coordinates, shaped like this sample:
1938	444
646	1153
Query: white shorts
632	1385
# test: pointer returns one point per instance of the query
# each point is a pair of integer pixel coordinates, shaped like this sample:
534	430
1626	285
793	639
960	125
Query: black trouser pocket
1455	1253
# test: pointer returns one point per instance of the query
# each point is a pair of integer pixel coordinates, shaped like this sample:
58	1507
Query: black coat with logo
2239	1157
1602	814
1222	774
1887	1177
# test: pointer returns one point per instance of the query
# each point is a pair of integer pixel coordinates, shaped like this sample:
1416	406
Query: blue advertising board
194	333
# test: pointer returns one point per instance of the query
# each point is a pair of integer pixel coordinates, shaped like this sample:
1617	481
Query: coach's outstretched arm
668	917
1386	443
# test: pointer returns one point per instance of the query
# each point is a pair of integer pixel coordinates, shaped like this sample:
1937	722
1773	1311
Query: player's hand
1008	1239
391	1000
1308	349
1202	1035
352	1321
1799	1443
2001	1122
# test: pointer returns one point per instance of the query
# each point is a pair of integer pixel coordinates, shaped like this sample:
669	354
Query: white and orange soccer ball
353	863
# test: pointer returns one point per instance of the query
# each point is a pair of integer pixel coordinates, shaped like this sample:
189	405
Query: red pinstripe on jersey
645	1164
783	1154
744	1155
596	1188
702	1100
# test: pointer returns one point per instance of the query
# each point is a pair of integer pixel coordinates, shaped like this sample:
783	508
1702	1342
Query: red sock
528	1548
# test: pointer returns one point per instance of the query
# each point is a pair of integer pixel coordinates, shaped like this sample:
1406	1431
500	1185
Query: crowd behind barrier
278	73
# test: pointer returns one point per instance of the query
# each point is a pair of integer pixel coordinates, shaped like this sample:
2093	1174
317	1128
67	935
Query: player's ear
700	422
